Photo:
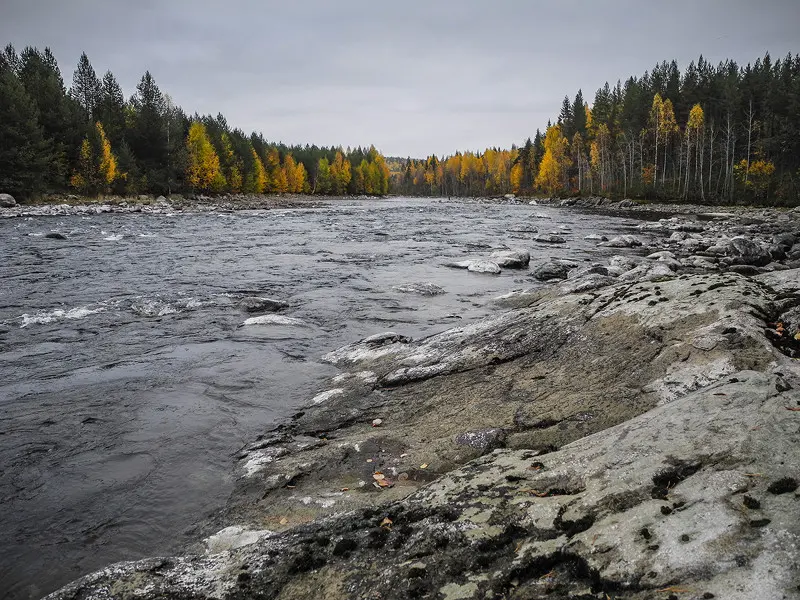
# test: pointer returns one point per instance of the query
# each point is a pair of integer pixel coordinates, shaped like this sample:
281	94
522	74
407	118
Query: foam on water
58	314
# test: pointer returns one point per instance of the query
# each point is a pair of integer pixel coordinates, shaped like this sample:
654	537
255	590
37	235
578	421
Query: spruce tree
86	89
24	155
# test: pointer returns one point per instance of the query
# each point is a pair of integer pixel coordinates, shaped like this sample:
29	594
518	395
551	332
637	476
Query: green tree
86	89
24	155
147	134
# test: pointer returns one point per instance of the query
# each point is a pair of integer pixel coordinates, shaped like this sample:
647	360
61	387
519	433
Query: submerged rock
253	304
424	288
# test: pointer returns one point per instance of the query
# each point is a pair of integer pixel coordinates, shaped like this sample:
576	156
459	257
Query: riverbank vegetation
91	141
724	134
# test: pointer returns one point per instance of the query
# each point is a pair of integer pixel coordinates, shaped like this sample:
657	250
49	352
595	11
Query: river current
128	380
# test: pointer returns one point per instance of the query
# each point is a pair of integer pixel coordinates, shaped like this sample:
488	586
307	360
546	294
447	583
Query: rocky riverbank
630	429
77	206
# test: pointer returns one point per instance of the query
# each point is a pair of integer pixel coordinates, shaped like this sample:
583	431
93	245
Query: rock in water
424	288
511	259
254	304
551	270
622	241
56	236
549	239
7	201
484	266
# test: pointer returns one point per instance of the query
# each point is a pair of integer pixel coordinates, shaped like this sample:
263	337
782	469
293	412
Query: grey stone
511	259
549	239
7	201
424	288
483	440
551	270
484	266
744	251
622	241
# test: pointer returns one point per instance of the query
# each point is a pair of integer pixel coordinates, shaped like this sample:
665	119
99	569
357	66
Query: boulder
743	251
511	259
7	201
483	266
551	270
784	240
550	238
622	241
54	235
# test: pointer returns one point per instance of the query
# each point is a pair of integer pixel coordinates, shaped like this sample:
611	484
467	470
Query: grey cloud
412	77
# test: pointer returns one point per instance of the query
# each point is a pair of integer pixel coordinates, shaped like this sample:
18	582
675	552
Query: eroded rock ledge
634	441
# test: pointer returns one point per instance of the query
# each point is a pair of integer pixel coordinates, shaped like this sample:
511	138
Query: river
127	378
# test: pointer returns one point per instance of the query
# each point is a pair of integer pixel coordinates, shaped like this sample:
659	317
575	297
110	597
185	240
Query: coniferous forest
91	141
719	134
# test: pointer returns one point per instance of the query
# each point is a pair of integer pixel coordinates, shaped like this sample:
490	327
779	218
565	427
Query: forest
714	134
90	140
717	134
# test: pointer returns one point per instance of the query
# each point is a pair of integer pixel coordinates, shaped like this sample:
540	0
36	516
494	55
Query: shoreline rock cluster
630	430
76	206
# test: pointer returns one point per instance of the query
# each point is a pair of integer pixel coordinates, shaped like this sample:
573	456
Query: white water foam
58	314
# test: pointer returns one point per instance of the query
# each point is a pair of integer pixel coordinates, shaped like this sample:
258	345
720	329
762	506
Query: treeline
91	140
725	133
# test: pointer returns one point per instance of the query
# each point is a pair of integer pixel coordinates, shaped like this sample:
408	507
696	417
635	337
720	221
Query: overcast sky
413	77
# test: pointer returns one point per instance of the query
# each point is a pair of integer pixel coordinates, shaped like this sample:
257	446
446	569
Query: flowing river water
127	378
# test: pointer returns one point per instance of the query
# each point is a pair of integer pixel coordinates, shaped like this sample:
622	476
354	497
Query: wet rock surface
631	431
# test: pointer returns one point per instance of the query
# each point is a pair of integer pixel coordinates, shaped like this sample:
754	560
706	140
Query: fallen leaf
283	521
387	522
793	408
797	336
378	476
345	489
369	460
423	466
